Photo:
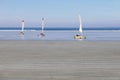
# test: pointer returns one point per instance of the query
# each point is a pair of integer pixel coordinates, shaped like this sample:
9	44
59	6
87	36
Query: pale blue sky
60	13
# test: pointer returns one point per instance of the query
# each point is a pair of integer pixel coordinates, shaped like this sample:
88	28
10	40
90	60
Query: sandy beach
59	60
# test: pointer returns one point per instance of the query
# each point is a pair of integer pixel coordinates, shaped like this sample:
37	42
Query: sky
60	13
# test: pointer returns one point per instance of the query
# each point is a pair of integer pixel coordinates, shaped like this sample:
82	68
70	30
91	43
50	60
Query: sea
60	34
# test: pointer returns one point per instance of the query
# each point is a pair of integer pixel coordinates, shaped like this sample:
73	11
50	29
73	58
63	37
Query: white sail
42	25
80	28
23	25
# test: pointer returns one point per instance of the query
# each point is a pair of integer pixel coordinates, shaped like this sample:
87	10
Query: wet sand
59	60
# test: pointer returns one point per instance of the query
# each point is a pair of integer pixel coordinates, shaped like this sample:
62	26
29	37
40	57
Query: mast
42	24
23	24
80	29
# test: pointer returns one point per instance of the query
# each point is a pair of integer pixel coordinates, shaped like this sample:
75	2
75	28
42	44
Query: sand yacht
41	34
80	36
22	30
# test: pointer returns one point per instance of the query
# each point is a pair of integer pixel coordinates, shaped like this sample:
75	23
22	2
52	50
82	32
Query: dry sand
59	60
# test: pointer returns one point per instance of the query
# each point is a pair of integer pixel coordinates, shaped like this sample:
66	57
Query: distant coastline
60	28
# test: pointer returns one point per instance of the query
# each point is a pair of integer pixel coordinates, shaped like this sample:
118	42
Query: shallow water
91	35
